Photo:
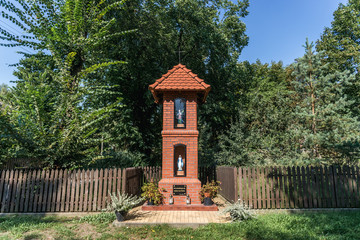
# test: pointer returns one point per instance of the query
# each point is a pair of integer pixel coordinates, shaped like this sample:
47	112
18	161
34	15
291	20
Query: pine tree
324	121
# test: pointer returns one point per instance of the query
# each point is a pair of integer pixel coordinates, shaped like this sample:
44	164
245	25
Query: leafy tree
209	35
260	133
51	112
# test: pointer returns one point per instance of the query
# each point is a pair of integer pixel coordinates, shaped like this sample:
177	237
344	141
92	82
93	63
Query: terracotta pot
206	194
120	216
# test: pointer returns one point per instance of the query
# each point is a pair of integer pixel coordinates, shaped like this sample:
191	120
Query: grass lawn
329	225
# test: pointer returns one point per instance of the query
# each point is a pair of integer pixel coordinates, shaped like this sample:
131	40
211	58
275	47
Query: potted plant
121	204
209	191
152	193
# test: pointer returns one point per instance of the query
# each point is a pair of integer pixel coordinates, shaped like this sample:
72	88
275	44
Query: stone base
193	186
194	207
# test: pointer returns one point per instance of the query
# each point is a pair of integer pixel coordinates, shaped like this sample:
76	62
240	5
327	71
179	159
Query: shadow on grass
309	226
21	224
320	225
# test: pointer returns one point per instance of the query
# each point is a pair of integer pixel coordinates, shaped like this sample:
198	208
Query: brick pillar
187	137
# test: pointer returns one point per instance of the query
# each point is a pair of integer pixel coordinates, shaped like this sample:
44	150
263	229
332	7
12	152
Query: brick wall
188	137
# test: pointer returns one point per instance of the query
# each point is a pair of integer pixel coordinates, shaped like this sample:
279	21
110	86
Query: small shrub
239	211
122	202
209	190
151	192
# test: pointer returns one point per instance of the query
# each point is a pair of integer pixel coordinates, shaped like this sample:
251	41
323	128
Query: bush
239	211
122	202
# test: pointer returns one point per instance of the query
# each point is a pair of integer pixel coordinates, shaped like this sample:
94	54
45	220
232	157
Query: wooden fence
292	187
154	174
64	190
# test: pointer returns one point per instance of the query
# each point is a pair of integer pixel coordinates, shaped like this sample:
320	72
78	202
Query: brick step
193	207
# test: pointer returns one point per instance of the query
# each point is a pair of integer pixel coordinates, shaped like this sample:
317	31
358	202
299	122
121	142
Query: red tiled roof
179	79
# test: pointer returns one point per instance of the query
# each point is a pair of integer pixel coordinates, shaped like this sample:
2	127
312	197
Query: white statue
180	163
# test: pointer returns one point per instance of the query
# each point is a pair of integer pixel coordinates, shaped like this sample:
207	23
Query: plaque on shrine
179	190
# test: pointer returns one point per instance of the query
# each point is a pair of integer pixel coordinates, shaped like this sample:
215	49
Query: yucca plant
121	204
239	211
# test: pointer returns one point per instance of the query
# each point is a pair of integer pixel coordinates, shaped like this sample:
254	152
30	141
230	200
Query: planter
150	202
208	201
207	194
120	216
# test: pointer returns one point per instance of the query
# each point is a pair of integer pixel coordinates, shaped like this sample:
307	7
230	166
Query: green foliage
323	118
51	114
339	225
122	202
210	189
151	192
96	219
239	211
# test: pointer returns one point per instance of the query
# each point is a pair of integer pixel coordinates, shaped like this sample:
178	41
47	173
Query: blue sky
277	31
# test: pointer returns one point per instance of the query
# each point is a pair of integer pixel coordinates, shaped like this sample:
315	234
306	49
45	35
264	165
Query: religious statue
180	116
180	163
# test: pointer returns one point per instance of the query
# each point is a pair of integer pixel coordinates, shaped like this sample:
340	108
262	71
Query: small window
180	113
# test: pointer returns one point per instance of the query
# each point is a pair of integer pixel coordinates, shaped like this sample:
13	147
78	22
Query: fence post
123	185
236	195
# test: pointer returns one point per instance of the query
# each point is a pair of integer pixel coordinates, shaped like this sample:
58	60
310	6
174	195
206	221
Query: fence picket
23	188
91	188
54	193
357	183
240	184
286	187
59	190
281	189
63	190
13	191
336	188
263	190
68	191
27	197
18	191
82	186
267	187
101	183
96	187
77	190
86	190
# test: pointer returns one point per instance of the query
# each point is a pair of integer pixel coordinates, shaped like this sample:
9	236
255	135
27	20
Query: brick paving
138	217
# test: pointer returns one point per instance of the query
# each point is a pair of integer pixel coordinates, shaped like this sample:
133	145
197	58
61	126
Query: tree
260	133
324	122
208	36
340	45
51	112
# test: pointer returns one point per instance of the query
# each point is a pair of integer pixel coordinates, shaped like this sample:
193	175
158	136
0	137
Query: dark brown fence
154	174
64	190
227	177
294	187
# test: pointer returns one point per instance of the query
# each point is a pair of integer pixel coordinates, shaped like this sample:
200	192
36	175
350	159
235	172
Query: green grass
320	225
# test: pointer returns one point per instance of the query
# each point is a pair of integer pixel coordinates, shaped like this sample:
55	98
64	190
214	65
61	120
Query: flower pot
120	216
206	194
208	201
150	202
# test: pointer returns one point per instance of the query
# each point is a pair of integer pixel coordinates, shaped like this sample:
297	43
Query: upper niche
180	113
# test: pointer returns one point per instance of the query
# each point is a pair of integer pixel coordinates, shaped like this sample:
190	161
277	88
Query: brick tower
180	91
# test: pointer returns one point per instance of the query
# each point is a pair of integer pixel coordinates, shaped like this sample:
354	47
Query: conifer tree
324	122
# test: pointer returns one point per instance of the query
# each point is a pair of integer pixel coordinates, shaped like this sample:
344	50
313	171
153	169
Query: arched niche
180	156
